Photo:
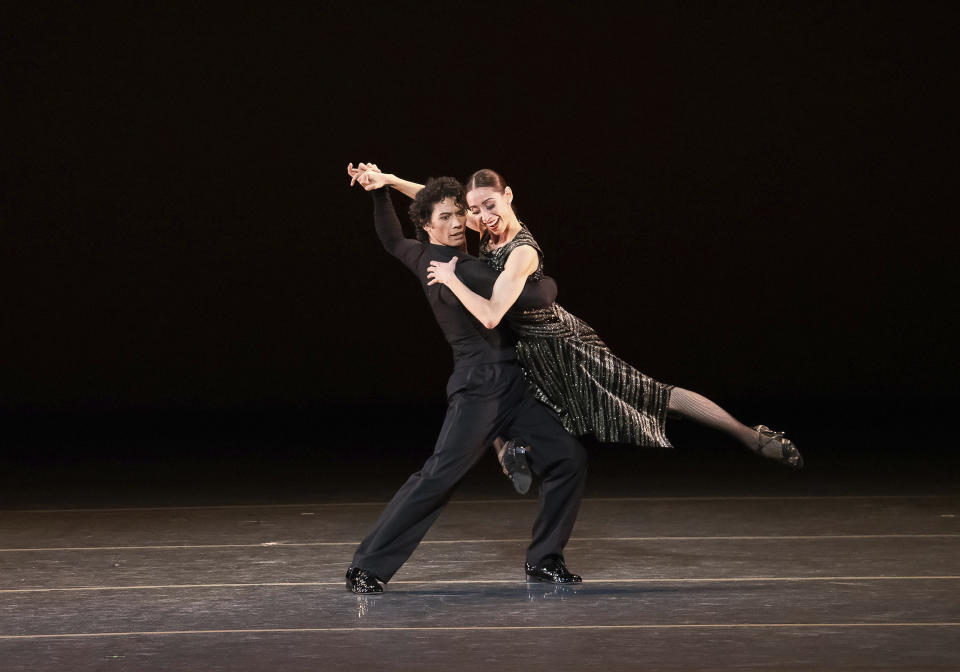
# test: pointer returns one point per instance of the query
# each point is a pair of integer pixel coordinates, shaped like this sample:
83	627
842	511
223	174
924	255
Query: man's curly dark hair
436	189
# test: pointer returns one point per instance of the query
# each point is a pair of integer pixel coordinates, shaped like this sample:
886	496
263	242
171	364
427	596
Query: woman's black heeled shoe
788	453
514	459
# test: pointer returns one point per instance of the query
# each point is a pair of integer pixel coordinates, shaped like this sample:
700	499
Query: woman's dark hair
486	178
436	189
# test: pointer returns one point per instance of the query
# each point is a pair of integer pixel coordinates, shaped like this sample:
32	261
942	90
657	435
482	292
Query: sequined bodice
497	258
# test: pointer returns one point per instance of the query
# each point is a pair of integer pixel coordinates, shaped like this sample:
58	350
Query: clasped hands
367	175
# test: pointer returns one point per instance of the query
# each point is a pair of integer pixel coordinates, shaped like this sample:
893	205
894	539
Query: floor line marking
517	500
451	582
296	544
455	628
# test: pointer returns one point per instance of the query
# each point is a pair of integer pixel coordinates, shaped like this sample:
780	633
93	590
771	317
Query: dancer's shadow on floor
547	591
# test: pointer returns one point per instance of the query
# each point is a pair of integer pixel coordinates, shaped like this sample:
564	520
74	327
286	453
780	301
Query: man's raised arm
390	232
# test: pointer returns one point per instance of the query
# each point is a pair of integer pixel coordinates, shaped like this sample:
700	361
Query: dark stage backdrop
748	199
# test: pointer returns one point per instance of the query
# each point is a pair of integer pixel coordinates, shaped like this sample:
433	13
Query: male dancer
486	397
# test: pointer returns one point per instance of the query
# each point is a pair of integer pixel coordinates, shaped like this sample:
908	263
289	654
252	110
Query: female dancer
568	366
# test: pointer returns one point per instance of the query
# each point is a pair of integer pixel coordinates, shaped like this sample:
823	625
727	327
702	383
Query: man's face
447	224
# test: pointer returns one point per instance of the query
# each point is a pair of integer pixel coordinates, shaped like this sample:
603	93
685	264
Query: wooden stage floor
786	582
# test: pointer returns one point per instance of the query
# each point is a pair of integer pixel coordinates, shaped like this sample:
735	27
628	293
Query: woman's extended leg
759	439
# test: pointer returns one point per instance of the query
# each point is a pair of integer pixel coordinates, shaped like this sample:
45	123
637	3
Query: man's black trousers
483	402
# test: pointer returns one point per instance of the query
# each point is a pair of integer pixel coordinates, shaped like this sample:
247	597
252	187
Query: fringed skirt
592	390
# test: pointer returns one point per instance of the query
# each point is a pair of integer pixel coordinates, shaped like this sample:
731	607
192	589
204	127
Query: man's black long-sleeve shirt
472	343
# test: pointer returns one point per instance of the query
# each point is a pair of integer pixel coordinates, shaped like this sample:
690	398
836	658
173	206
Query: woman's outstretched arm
520	264
370	177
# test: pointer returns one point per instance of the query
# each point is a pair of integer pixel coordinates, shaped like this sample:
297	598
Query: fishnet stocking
696	407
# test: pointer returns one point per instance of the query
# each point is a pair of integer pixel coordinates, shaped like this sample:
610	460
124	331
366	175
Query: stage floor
796	582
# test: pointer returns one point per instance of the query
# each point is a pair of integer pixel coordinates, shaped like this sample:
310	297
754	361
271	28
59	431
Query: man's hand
440	272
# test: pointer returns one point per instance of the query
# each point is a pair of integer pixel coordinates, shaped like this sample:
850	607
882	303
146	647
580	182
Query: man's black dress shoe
361	581
551	570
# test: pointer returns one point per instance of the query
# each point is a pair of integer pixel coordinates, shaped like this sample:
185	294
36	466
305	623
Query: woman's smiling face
490	206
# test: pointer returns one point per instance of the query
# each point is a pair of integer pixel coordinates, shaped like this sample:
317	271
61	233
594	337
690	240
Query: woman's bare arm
520	264
403	186
370	177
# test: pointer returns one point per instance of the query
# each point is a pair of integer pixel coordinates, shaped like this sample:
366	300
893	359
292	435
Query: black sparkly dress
572	371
